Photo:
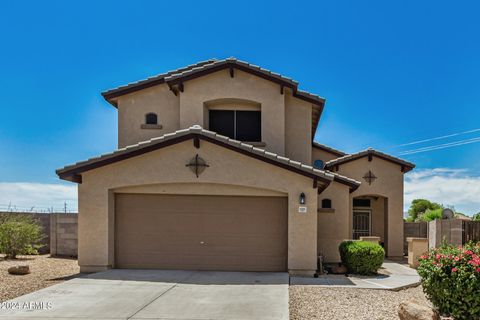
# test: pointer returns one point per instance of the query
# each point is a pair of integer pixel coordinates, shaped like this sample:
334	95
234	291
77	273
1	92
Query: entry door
361	224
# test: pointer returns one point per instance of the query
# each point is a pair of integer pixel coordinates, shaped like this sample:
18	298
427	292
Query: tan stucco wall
298	129
389	184
153	172
220	85
286	120
333	226
319	154
378	217
133	107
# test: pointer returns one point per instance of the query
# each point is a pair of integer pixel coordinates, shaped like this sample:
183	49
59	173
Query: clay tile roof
407	166
232	62
73	172
149	82
352	183
336	152
211	65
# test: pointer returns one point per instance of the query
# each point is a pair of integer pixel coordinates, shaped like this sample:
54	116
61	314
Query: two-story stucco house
216	169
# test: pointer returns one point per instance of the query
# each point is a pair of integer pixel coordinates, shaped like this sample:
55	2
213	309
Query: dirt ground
311	302
44	271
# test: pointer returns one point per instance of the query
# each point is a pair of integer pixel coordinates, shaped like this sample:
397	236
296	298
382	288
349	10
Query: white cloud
21	196
455	187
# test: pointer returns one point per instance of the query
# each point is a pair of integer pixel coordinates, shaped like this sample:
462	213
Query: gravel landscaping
44	272
311	302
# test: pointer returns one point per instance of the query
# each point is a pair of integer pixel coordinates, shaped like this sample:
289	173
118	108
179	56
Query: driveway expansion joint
152	301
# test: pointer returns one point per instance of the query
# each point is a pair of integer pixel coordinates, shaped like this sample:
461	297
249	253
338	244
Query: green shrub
20	234
451	280
361	257
431	215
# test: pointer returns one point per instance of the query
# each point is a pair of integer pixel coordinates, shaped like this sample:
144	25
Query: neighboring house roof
331	150
406	166
177	77
73	172
462	217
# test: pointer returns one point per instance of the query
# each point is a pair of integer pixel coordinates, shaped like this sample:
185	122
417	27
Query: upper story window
237	124
151	118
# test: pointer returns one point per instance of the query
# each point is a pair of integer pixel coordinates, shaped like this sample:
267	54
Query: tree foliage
420	207
430	215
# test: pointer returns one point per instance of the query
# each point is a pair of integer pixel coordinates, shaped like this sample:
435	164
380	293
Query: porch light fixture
302	198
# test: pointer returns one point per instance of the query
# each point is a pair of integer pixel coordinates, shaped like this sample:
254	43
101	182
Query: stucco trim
370	153
196	133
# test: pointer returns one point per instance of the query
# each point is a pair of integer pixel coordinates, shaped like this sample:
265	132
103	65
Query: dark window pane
361	202
249	126
222	122
326	203
151	118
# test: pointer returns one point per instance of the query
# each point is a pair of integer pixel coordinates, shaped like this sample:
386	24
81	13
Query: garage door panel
201	232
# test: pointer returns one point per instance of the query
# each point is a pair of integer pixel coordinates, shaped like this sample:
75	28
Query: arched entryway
370	217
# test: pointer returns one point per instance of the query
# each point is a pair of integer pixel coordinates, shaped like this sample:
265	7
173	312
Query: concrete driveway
158	294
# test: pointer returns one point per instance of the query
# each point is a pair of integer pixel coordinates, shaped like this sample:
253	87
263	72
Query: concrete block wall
448	230
64	234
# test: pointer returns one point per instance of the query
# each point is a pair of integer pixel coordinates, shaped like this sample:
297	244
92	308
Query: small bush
361	257
451	280
431	215
20	234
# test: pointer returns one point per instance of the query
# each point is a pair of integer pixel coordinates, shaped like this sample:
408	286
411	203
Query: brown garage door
201	232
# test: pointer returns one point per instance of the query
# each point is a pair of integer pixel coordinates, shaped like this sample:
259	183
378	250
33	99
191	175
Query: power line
441	146
439	138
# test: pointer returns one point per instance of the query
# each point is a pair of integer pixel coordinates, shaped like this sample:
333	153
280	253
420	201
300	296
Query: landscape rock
410	310
19	270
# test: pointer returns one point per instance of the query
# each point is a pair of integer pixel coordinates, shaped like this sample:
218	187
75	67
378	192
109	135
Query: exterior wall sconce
302	198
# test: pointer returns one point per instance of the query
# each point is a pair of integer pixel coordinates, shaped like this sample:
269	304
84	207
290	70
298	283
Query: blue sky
392	73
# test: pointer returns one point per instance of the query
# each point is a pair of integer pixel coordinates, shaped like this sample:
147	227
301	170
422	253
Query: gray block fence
64	234
59	229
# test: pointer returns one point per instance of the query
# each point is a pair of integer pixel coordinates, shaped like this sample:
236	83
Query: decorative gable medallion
197	165
369	177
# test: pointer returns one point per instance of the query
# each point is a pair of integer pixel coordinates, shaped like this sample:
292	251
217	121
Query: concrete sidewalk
394	276
158	294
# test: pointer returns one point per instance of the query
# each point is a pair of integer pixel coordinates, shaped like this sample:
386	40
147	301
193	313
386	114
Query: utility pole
65	206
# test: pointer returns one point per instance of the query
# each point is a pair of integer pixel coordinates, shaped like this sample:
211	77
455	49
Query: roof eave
214	66
73	173
405	165
333	151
